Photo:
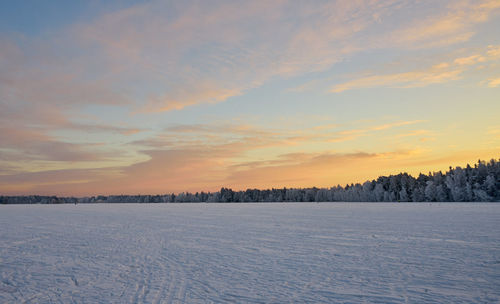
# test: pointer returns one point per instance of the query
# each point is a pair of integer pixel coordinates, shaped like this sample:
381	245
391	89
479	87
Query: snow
256	253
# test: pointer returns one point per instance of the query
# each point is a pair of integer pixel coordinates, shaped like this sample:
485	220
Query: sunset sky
146	97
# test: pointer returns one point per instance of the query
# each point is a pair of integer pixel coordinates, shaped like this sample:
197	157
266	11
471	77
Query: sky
152	97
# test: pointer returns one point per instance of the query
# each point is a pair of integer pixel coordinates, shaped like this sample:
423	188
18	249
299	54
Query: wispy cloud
493	83
395	124
450	24
195	53
32	144
437	73
198	95
400	80
352	134
206	135
413	133
470	60
194	164
215	54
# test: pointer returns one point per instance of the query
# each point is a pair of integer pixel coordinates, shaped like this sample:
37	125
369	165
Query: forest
478	183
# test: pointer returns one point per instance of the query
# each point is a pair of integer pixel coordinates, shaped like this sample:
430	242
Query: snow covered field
258	253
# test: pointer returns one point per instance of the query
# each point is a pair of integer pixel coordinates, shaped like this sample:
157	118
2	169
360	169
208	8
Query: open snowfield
257	253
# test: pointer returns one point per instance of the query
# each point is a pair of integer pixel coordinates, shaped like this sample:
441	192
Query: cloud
469	60
31	144
203	54
160	56
450	22
185	99
46	72
71	176
438	73
189	170
57	182
194	165
209	53
42	90
400	80
193	135
353	134
184	157
346	135
395	124
493	52
99	128
493	83
27	135
413	133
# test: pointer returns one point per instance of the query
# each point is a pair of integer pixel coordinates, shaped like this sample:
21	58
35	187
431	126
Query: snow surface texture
257	253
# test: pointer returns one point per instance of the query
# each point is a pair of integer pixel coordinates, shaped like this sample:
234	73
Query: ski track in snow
250	253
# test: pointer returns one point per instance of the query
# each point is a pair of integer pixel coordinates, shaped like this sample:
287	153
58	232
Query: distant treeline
480	183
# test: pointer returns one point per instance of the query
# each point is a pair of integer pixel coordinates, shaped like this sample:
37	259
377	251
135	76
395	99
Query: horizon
347	185
149	97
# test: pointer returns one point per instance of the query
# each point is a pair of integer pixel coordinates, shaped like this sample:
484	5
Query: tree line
480	183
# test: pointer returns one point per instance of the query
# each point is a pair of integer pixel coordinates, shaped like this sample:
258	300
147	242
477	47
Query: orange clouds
195	164
493	83
470	60
210	167
400	80
202	94
209	53
453	25
437	73
32	144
